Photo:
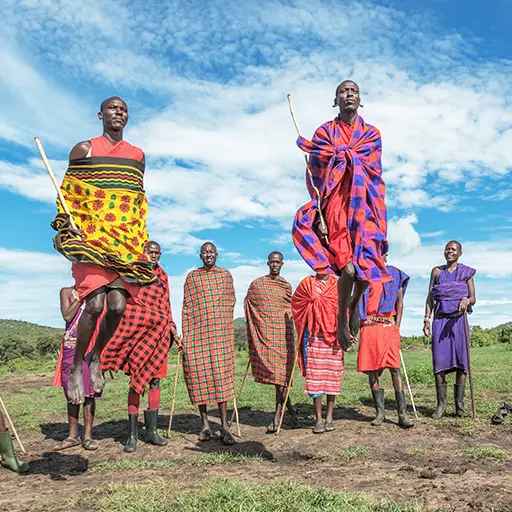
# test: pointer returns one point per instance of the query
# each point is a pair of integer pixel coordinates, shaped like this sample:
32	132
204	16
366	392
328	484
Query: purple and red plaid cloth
331	162
389	296
141	343
449	294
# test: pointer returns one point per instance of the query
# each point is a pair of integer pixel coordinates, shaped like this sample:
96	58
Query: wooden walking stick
310	174
241	389
408	385
174	393
55	184
283	407
235	410
11	425
470	373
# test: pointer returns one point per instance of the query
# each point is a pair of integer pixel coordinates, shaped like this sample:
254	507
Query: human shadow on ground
59	466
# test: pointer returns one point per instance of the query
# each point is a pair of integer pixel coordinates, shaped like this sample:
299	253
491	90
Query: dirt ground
424	465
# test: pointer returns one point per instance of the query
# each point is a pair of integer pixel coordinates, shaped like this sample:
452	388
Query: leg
329	420
151	415
7	457
206	433
441	395
226	436
86	327
3	428
345	284
396	377
319	427
133	421
73	439
89	412
378	399
355	320
280	396
116	304
403	418
458	392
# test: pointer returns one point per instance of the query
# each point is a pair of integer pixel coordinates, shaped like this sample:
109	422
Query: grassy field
203	485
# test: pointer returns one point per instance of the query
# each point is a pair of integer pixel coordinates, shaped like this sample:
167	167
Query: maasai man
345	161
72	309
381	309
103	188
315	311
270	333
7	457
209	340
140	347
451	296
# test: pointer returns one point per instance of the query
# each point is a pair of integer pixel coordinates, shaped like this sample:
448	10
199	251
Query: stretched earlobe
335	104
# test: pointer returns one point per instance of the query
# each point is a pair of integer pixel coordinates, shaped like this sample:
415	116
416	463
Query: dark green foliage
48	345
13	347
240	334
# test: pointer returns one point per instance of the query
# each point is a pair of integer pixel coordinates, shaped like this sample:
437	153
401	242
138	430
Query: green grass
132	465
214	458
485	453
228	496
491	365
354	452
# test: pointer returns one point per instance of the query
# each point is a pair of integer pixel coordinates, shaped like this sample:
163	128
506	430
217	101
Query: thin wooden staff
470	373
290	381
241	389
174	393
310	174
235	410
55	184
11	424
408	385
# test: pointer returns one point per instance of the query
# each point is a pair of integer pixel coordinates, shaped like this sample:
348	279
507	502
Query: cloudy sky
206	84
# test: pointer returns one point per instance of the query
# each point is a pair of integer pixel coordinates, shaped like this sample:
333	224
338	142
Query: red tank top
100	146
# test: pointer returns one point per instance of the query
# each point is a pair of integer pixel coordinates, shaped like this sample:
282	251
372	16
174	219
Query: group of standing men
118	311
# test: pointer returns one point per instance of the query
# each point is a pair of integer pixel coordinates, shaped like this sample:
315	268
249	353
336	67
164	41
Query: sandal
205	435
329	426
69	442
501	414
272	429
227	438
90	444
319	428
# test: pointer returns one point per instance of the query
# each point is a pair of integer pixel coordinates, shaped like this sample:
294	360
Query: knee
94	306
154	384
395	372
116	305
350	270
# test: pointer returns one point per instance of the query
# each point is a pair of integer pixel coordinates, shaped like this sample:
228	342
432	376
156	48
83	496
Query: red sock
153	399
133	402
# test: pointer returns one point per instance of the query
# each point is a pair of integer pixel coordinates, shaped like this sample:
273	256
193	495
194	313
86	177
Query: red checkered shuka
208	335
141	343
270	329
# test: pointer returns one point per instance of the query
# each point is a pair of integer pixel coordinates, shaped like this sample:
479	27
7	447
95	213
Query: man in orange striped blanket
209	340
270	333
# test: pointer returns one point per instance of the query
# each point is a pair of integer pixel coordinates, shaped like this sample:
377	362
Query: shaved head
211	244
458	244
105	103
345	82
275	253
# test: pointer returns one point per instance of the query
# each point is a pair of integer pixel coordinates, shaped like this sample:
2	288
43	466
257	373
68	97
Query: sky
206	86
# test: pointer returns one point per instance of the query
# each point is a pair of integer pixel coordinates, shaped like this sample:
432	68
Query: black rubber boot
133	425
441	401
378	401
7	457
458	396
403	418
152	437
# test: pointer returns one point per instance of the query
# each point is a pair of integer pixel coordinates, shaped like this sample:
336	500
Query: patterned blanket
449	294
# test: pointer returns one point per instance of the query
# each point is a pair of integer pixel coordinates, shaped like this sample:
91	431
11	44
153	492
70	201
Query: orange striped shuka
315	312
270	329
208	335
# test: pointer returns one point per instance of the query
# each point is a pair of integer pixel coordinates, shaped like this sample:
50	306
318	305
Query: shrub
48	346
13	347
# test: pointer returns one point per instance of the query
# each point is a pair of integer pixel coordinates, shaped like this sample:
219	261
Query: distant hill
27	330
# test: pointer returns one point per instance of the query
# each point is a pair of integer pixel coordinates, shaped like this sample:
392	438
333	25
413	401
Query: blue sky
206	86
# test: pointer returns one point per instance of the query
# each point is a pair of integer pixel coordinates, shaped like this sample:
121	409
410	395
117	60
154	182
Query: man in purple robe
451	297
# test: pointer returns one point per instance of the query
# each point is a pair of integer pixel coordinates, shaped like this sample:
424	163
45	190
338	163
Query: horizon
206	89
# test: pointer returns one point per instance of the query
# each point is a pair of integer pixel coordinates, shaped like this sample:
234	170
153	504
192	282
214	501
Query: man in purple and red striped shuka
270	333
209	340
451	297
345	161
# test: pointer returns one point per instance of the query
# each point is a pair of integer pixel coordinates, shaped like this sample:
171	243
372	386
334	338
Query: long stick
235	410
408	385
283	406
11	424
174	393
470	373
241	389
54	181
308	167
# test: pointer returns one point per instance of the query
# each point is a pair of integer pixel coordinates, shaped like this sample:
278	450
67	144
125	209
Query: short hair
455	242
345	82
277	253
208	243
104	102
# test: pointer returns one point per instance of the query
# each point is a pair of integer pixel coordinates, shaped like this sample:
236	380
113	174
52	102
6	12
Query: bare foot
343	335
355	319
97	379
76	387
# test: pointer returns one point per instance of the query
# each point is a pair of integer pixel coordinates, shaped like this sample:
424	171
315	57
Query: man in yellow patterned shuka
103	188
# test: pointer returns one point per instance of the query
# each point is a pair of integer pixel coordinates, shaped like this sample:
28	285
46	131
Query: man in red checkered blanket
270	333
209	340
140	347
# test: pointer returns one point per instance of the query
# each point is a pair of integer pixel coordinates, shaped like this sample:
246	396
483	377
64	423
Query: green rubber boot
9	460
